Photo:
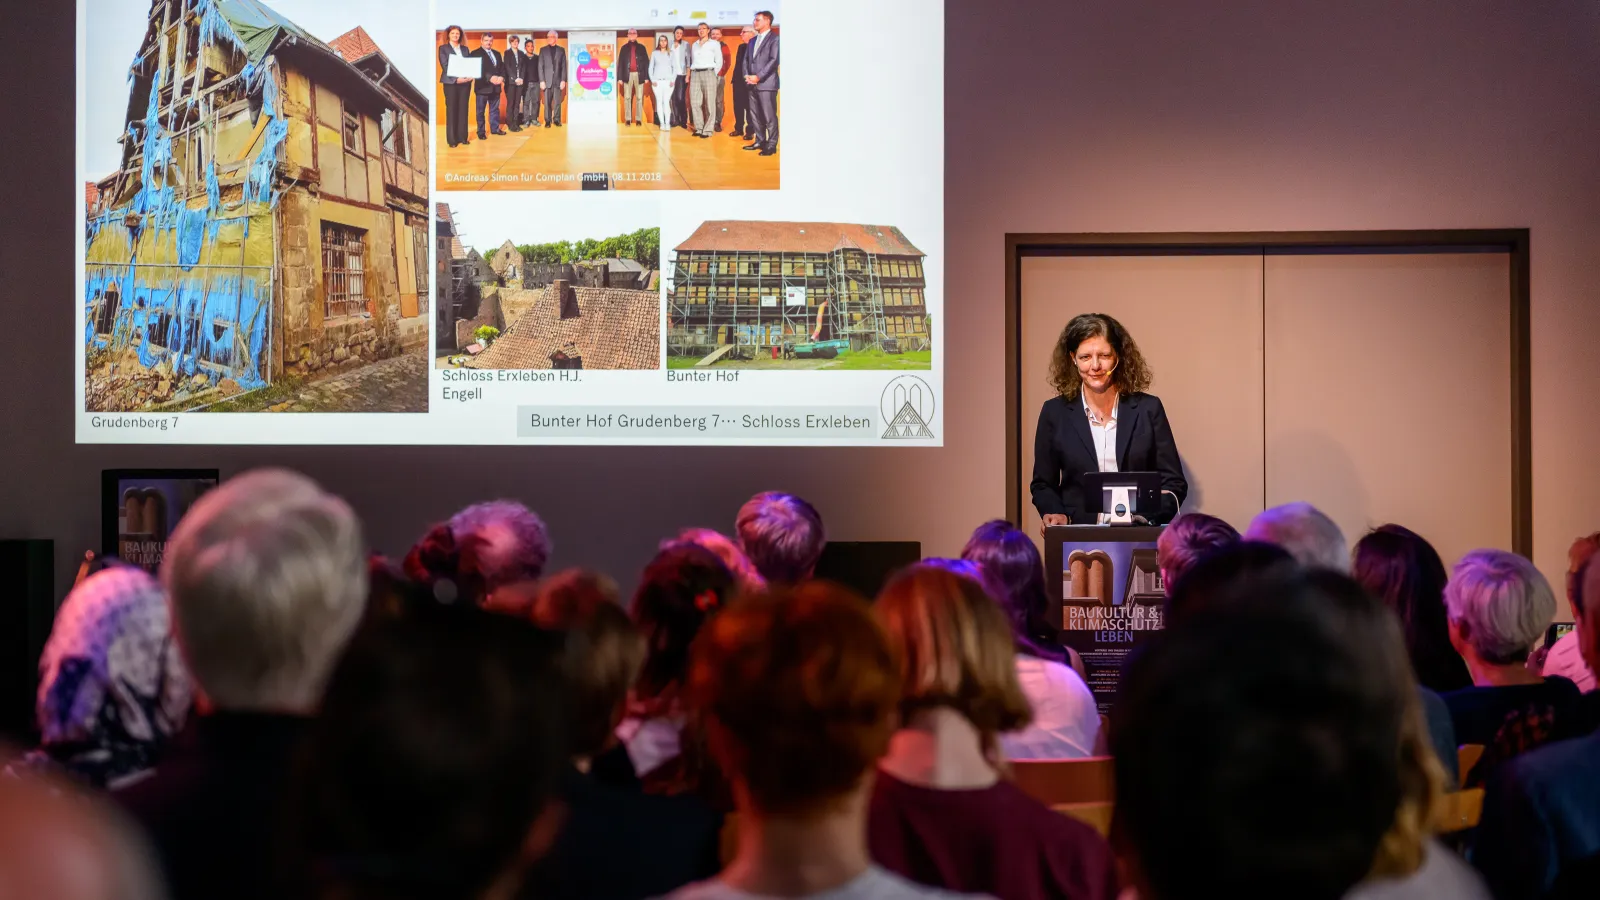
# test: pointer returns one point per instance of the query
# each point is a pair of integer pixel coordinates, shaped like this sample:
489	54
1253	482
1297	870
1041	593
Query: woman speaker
1101	420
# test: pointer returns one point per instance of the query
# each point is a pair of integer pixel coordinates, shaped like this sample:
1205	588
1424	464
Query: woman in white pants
662	76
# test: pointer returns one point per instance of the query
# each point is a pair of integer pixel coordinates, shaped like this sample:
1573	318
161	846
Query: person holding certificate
457	91
1100	421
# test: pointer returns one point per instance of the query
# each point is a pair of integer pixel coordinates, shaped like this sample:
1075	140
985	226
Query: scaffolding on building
760	301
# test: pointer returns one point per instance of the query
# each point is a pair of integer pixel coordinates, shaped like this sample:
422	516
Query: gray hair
1501	603
267	578
515	545
1313	539
782	534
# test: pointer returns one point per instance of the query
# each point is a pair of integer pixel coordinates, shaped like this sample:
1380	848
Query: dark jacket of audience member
959	824
669	841
431	768
1405	572
267	580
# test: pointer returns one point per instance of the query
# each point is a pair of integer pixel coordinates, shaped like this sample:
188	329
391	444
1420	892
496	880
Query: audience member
942	813
1410	863
1541	811
1498	605
1258	709
267	578
1188	538
431	770
1312	538
483	547
113	689
1066	722
744	571
670	841
1564	659
1217	572
782	535
798	691
683	587
1404	570
57	844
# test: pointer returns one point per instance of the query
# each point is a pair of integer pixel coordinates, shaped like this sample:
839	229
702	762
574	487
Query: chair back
1094	815
1066	781
1467	756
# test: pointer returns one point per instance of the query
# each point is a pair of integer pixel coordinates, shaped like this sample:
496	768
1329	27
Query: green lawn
872	360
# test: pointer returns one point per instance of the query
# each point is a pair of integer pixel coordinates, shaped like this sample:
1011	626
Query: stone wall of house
312	343
489	313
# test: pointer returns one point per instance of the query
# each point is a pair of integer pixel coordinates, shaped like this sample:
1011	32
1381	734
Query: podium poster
139	508
1111	596
592	88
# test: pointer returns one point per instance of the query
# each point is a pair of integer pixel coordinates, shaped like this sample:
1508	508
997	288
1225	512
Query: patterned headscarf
112	685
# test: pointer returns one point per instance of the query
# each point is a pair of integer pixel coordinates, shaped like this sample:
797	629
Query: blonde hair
1422	788
955	649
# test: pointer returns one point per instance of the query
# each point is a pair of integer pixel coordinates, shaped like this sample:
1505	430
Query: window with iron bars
343	270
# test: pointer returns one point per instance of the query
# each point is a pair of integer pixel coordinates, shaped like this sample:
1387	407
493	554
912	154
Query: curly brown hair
1132	374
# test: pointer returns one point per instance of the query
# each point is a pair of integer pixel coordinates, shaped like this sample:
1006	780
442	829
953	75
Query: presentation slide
490	222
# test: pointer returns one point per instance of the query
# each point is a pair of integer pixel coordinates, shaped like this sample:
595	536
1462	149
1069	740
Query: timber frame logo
907	406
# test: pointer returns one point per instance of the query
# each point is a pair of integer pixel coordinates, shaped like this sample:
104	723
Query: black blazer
445	52
1063	449
741	65
633	50
492	65
516	64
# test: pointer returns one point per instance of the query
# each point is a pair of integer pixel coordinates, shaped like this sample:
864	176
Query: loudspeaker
27	610
866	565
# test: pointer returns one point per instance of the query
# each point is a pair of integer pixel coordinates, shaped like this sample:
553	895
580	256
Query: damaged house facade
269	218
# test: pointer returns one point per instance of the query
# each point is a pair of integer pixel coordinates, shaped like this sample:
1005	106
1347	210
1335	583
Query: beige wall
1108	115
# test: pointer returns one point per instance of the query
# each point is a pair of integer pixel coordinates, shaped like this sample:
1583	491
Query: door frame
1512	241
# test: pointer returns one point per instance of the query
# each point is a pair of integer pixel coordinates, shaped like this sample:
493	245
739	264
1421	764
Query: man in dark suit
487	89
633	78
743	127
762	76
552	78
517	65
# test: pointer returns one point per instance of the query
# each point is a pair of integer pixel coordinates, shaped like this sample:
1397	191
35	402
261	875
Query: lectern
1105	581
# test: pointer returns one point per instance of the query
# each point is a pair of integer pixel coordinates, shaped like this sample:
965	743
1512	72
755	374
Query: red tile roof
458	250
355	44
617	329
799	237
91	194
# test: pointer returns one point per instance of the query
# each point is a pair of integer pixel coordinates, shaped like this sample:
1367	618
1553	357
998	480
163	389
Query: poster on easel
140	508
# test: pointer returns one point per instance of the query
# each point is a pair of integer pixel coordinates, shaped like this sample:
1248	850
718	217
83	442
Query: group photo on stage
669	106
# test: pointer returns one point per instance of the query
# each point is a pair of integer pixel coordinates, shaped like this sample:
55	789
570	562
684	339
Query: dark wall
1062	115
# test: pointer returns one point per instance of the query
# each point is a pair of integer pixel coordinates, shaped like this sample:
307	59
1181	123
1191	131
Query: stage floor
637	158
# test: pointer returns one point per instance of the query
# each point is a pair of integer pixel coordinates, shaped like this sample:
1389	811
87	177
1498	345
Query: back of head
267	578
112	685
1256	749
782	534
1015	575
797	690
1213	576
1400	567
510	543
1499	604
955	649
602	656
1188	538
435	754
682	587
60	844
1578	555
1306	532
726	550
